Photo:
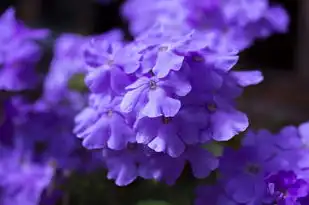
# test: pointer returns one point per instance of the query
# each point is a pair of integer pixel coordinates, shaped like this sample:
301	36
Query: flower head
18	53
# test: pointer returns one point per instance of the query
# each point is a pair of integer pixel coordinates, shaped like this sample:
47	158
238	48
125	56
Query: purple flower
67	62
107	62
104	126
285	148
168	93
286	188
126	165
162	167
274	20
214	90
169	12
150	96
235	23
242	175
171	135
46	126
21	181
47	134
238	23
165	49
19	53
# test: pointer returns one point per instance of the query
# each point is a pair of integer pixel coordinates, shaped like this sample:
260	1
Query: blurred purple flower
18	53
234	23
286	188
22	181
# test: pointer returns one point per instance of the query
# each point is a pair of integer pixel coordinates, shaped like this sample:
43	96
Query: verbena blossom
43	129
153	106
267	168
19	53
143	14
124	166
230	23
166	92
286	188
22	181
46	125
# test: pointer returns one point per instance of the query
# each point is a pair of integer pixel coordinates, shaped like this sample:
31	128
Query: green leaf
153	202
77	83
215	148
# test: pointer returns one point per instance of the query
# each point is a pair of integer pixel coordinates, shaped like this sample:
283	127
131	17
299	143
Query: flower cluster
22	181
231	23
146	108
33	134
19	53
160	98
267	169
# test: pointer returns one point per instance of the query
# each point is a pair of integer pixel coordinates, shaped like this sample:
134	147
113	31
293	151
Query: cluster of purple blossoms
154	102
267	169
21	180
34	134
231	23
153	105
19	53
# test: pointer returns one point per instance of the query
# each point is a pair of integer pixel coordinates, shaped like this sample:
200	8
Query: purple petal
241	188
279	18
98	80
96	136
159	104
202	162
180	86
146	129
246	78
138	83
131	99
224	63
119	80
167	61
189	134
120	134
303	130
226	125
128	60
167	141
123	171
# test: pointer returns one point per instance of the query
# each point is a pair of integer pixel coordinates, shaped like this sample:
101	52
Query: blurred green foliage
77	83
